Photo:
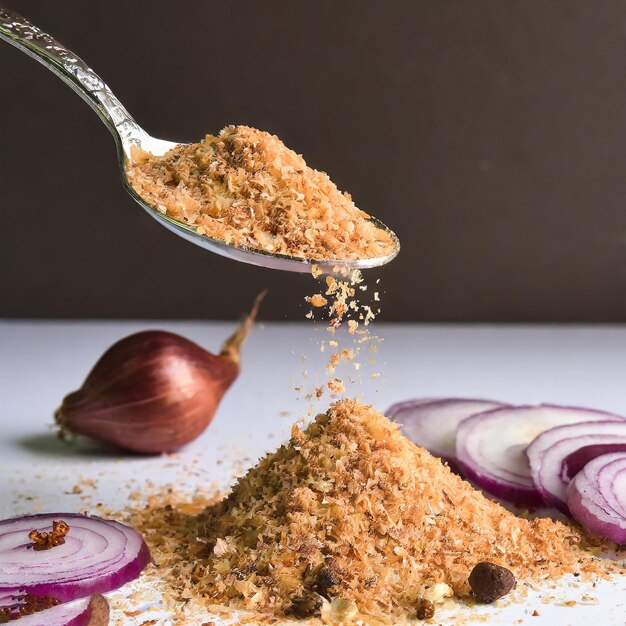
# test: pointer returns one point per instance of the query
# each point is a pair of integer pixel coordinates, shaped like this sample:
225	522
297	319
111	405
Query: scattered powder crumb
335	386
333	362
84	483
244	186
589	599
342	297
317	300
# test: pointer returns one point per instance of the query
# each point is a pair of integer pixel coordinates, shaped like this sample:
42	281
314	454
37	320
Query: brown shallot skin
153	391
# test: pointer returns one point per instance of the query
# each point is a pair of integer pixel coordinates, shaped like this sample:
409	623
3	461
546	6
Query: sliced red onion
575	461
432	423
98	556
82	612
412	402
11	602
612	482
74	613
490	446
597	496
557	453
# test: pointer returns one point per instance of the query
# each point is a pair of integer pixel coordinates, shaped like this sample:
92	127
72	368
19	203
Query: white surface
40	362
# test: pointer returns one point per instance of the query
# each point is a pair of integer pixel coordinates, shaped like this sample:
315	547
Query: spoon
72	70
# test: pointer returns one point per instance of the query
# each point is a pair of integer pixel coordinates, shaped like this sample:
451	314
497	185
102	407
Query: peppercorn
425	609
326	578
490	582
241	573
305	605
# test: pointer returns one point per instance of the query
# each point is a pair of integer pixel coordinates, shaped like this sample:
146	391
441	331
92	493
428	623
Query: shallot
153	391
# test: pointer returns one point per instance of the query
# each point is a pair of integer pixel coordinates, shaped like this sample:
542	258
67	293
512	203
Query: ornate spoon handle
72	70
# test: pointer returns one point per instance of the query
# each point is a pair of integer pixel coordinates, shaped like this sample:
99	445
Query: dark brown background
490	135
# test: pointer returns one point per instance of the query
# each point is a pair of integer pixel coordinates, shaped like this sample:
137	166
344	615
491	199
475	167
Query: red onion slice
81	612
491	446
98	556
555	454
612	482
432	423
74	613
576	461
597	496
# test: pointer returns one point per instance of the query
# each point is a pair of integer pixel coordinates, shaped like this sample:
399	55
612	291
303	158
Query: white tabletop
42	361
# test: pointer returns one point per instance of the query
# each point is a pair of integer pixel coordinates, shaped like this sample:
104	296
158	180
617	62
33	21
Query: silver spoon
72	70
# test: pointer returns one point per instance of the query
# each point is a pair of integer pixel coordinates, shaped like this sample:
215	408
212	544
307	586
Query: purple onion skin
395	413
575	462
81	620
551	472
91	612
517	495
452	464
66	592
578	510
43	618
407	404
520	495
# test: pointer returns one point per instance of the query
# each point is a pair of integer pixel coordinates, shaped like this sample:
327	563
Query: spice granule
353	500
244	186
174	525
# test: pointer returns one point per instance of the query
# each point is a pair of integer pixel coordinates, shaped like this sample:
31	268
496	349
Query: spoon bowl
37	44
243	254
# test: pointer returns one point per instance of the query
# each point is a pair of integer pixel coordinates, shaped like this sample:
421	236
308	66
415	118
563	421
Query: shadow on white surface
50	445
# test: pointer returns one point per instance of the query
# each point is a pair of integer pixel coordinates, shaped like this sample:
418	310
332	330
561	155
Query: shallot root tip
62	432
232	345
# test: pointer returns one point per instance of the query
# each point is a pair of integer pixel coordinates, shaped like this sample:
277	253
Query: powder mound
350	510
246	187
